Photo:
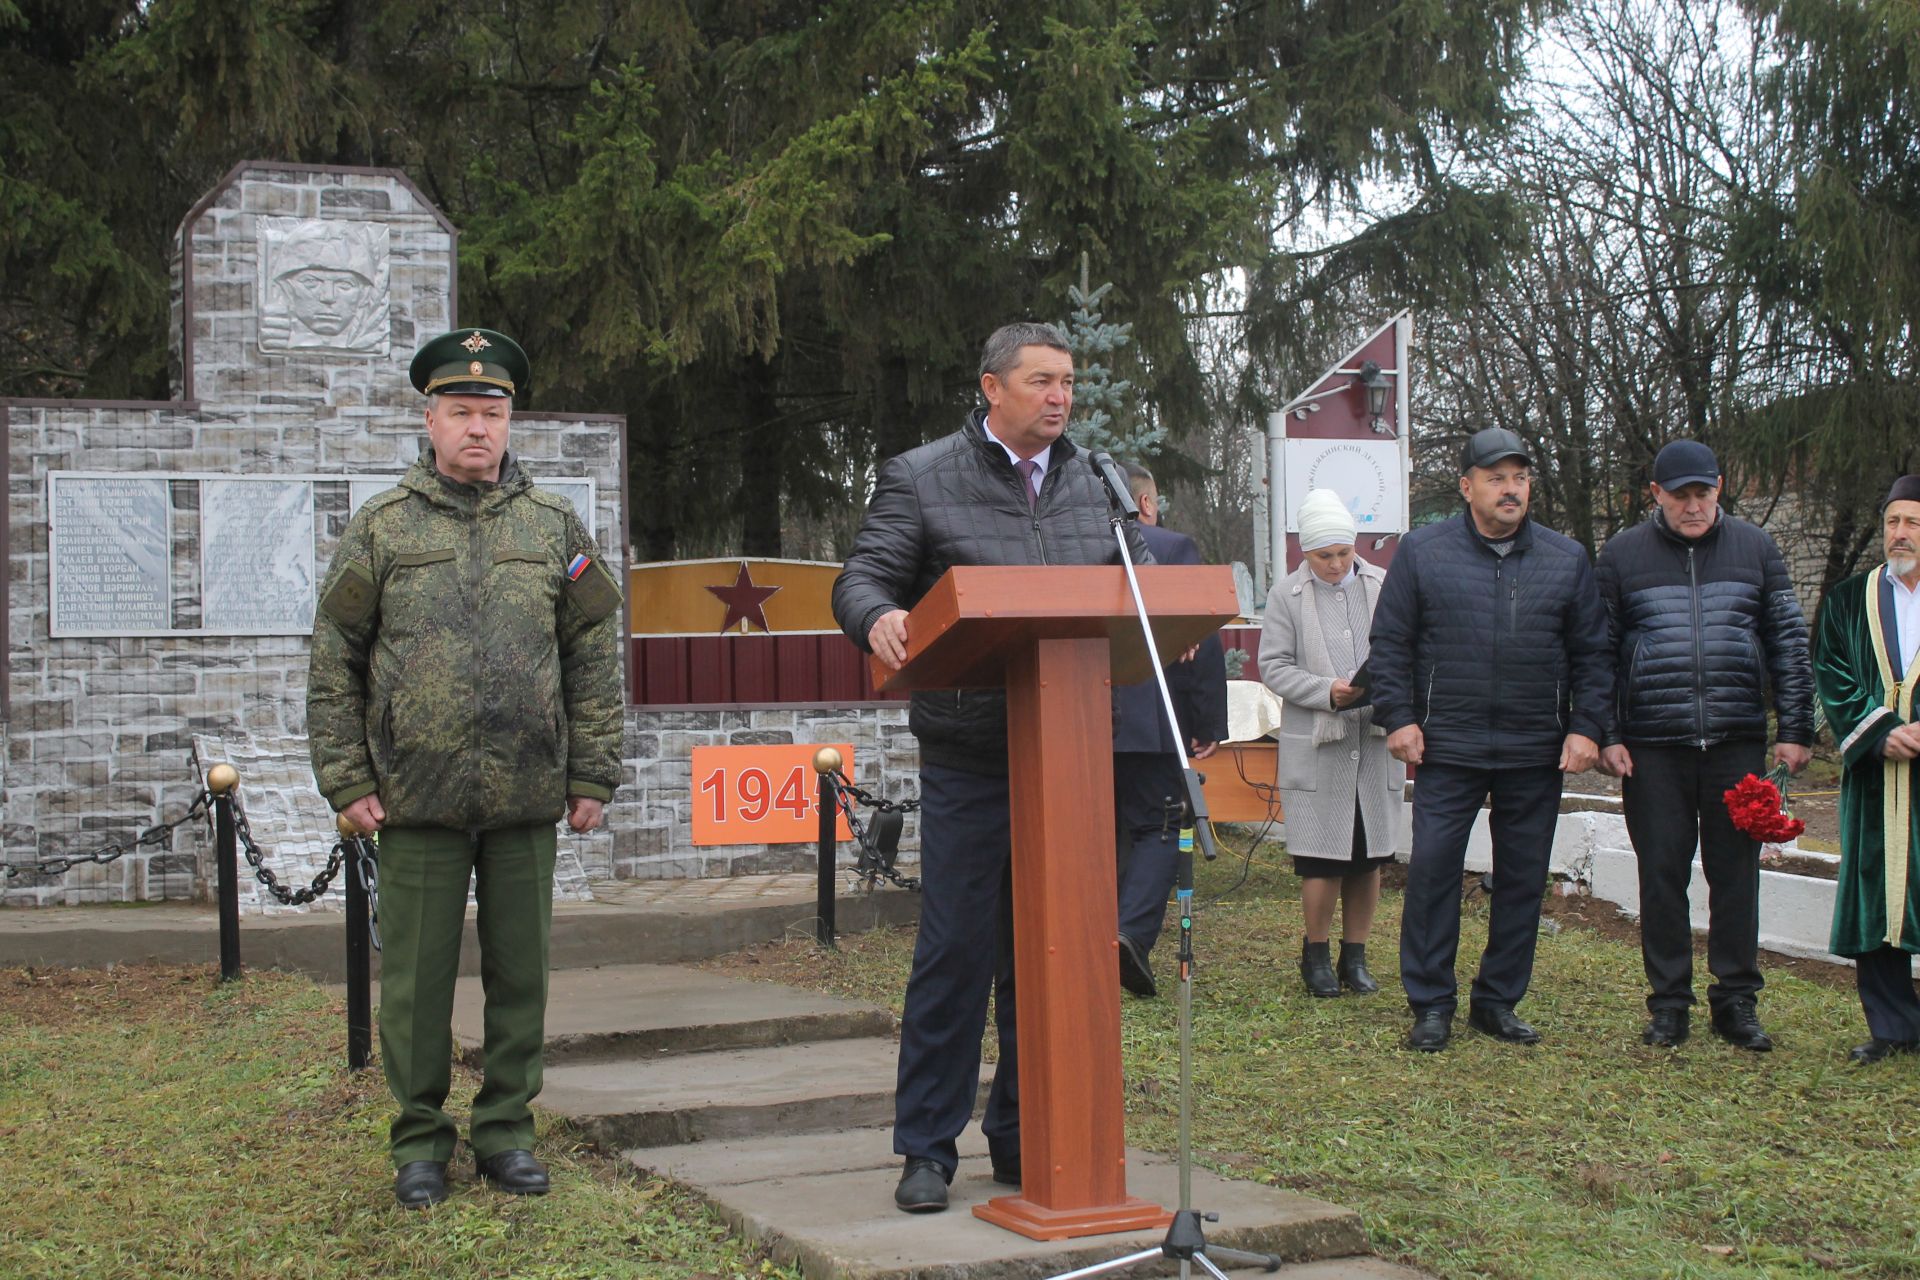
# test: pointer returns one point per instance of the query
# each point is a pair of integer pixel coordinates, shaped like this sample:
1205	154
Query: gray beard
1902	566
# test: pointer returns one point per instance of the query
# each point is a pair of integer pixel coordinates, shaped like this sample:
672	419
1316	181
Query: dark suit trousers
963	953
1147	787
1676	799
1446	798
1885	980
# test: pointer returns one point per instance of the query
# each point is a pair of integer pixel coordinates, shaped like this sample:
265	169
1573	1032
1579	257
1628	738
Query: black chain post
222	779
359	956
826	763
875	863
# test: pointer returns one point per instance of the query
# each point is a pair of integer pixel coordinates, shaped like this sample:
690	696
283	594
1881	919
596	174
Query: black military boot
1353	969
1316	969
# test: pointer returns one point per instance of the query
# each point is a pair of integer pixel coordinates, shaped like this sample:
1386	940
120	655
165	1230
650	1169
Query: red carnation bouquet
1758	807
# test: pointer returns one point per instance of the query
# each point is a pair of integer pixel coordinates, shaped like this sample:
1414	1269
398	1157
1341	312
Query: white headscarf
1325	521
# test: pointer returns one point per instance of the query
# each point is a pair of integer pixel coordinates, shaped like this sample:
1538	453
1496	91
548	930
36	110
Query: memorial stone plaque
108	549
256	556
360	489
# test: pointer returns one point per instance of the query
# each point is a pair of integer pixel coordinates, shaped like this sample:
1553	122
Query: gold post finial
222	778
826	760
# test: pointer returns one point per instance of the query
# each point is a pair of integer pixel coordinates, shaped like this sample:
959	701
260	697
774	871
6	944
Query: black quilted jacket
958	501
1700	628
1496	659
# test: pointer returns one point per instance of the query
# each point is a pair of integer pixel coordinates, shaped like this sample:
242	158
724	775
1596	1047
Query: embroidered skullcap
1905	489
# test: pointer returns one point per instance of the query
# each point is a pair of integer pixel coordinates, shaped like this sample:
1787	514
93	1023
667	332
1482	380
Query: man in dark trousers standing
1704	620
1149	794
1491	673
1008	488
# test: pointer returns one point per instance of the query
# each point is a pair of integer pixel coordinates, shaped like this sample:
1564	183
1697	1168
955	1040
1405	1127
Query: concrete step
739	1093
650	1011
825	1202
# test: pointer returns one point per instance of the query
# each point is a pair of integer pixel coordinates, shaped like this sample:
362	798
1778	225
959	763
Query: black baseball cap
1685	462
1489	445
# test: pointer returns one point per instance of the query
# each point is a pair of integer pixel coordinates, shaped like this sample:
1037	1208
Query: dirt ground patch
138	993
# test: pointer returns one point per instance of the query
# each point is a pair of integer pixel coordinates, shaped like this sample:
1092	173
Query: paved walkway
627	922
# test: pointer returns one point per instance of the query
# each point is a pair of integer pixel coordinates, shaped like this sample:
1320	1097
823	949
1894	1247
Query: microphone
1118	494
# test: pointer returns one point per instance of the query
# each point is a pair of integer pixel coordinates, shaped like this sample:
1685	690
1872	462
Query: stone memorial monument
164	555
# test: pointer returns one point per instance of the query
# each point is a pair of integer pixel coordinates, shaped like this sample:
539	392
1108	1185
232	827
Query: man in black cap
1867	668
463	696
1490	672
1703	619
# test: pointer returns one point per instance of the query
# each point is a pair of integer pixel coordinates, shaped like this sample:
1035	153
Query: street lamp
1375	383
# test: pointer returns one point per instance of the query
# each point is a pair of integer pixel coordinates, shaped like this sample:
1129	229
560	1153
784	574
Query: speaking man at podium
1008	488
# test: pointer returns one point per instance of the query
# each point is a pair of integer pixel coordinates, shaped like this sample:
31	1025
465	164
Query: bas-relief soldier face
469	436
326	301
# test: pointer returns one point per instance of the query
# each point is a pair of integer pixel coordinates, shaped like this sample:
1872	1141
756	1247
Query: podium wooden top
964	630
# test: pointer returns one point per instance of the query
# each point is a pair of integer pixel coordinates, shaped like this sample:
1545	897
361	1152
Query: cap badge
475	343
475	367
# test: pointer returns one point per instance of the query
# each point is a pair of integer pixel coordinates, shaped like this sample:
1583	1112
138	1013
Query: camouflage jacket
457	669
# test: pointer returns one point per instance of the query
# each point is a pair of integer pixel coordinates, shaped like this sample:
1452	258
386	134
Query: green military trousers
423	907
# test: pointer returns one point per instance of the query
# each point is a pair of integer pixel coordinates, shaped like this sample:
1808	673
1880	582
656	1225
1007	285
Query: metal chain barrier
119	849
880	842
367	859
264	874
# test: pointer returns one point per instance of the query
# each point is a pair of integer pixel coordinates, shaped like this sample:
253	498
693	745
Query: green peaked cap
469	362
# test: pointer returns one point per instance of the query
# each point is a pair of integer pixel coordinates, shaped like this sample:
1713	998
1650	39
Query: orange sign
761	794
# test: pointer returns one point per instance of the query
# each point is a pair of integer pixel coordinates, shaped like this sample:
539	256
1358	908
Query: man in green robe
1866	668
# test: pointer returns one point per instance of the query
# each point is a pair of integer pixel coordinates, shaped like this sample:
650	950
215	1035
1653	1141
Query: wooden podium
1057	639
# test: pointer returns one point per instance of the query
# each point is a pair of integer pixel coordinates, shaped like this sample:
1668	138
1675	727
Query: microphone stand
1186	1239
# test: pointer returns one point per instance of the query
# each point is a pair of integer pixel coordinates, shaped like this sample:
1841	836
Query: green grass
156	1124
1588	1155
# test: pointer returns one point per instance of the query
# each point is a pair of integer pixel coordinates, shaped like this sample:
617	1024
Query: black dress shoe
1738	1024
1006	1162
1135	974
1353	969
1667	1029
1316	970
1878	1050
923	1186
515	1172
419	1183
1502	1024
1432	1028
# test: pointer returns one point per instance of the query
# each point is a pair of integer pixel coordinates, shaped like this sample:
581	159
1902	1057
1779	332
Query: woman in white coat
1340	789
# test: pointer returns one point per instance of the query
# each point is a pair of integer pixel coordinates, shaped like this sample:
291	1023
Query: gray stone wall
650	819
100	729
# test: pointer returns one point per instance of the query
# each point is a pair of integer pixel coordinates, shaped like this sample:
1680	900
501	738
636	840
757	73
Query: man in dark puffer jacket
1490	672
1008	488
1703	619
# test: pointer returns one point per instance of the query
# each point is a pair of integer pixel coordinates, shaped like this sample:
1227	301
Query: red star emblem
743	601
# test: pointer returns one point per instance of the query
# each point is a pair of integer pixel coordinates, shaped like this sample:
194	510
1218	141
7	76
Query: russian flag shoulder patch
577	566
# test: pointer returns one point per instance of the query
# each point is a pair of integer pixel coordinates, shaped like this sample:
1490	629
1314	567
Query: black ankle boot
1316	969
1353	969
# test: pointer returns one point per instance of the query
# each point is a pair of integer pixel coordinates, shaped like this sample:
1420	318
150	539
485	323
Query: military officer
464	696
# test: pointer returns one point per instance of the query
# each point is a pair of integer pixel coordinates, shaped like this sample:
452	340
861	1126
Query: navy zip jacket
958	501
1199	687
1497	659
1700	628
